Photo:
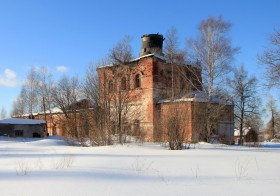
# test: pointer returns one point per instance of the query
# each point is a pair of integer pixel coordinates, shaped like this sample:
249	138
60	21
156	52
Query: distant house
248	134
237	134
15	127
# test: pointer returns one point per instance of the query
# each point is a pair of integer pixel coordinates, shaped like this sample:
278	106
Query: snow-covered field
49	167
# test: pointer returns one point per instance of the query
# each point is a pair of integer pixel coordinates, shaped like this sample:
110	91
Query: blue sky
67	35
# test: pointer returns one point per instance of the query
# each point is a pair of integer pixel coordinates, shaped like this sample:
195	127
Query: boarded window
110	86
123	84
138	81
18	133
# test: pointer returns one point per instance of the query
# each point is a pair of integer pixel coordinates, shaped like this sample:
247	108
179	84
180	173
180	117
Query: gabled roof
21	121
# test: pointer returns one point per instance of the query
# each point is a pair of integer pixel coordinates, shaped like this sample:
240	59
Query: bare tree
244	96
97	117
90	85
118	104
45	86
29	98
19	105
271	59
66	95
30	85
116	95
212	53
273	125
171	45
122	52
176	58
187	77
255	122
3	113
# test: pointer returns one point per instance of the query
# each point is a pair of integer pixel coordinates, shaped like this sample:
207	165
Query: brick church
149	96
152	95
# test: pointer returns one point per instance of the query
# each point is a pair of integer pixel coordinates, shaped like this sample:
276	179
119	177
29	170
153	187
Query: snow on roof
245	131
196	96
53	111
103	66
21	121
137	59
149	55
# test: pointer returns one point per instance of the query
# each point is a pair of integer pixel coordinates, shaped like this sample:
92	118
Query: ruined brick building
149	90
146	98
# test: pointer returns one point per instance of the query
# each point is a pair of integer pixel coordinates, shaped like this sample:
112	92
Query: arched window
110	86
123	84
138	81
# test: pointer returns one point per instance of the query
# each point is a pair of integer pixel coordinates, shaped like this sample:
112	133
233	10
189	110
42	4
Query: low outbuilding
16	127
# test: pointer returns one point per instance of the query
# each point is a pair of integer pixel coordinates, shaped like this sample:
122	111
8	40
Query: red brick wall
155	85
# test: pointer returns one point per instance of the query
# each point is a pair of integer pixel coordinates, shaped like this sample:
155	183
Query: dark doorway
36	135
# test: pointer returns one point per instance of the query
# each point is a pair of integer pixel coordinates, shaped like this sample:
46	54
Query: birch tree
176	58
30	86
20	104
212	53
44	89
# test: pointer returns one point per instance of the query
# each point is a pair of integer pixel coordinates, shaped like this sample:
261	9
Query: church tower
152	44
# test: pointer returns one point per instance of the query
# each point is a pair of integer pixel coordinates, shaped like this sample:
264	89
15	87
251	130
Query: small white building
16	127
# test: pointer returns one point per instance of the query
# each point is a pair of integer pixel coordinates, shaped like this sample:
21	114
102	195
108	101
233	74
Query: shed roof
20	121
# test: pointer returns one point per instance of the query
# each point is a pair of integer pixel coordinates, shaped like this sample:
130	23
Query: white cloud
8	79
62	69
10	74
